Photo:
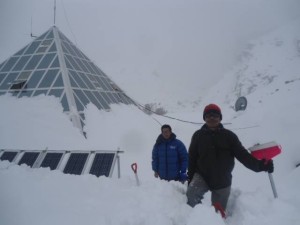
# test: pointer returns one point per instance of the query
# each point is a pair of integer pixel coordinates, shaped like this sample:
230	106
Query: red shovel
134	168
267	151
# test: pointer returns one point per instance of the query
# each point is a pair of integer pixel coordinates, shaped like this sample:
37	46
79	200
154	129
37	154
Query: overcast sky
191	42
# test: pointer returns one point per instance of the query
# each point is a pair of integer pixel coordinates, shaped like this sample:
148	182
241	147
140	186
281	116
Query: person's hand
266	165
183	177
156	174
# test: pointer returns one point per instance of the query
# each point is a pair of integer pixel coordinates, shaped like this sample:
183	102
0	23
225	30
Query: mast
54	11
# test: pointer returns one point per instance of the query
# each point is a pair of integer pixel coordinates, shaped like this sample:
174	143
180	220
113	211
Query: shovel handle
134	167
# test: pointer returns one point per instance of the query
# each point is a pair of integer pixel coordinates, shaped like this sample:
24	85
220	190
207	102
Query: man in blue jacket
169	156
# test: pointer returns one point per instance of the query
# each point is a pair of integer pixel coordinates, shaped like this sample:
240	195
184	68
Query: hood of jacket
160	139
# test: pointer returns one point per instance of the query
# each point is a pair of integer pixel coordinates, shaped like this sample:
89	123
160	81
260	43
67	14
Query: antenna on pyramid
54	11
31	35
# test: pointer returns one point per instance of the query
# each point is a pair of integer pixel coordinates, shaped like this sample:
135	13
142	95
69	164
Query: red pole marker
134	169
267	151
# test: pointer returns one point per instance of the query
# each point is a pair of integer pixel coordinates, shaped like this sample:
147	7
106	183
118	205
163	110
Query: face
212	120
166	133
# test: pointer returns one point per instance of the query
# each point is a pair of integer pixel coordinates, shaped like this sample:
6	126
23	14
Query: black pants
198	188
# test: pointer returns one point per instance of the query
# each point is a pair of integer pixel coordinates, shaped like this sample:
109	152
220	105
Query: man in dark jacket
211	160
169	156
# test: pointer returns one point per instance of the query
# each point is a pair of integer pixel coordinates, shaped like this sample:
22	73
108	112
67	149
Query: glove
267	166
183	177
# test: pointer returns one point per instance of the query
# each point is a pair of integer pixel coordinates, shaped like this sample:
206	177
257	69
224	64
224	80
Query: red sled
265	151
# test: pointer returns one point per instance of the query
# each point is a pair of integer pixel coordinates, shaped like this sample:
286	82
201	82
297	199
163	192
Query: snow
40	196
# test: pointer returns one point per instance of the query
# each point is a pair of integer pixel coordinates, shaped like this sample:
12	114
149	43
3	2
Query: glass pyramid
53	65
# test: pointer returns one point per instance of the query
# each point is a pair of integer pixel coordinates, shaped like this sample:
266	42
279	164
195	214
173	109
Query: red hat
212	108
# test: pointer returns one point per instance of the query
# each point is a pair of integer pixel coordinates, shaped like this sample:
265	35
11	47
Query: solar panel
76	163
8	156
29	158
102	164
51	160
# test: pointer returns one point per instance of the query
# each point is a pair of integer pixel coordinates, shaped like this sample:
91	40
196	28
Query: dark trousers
198	187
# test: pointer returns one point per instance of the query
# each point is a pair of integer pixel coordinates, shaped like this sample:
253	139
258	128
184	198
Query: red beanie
212	108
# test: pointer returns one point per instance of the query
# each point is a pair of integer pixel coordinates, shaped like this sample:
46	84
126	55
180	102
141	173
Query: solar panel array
98	163
53	65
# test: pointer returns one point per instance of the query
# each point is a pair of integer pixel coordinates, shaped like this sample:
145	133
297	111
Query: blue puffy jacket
169	158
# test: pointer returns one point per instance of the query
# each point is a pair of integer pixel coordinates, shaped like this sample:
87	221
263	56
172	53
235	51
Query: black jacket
212	153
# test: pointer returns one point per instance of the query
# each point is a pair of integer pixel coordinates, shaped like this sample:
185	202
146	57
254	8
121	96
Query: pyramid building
53	65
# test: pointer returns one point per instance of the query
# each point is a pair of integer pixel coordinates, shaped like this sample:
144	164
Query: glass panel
93	99
42	49
34	61
56	92
24	75
102	83
2	77
74	64
59	81
53	48
81	68
48	79
69	66
82	97
21	63
55	63
8	81
65	50
25	93
46	61
62	36
21	51
117	97
78	53
74	50
111	97
78	104
107	99
101	100
2	64
108	84
15	93
9	64
73	83
50	35
82	65
126	99
40	92
91	67
88	66
96	69
34	45
35	79
70	49
46	42
87	81
42	36
65	104
78	80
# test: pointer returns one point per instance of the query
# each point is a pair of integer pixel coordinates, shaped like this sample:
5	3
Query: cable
66	17
169	117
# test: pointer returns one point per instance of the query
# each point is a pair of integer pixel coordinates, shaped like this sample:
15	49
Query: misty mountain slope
272	60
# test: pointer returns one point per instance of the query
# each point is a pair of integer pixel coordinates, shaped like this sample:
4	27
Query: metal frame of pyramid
52	65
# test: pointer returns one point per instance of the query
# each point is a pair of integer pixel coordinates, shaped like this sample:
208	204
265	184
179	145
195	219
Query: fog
191	43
